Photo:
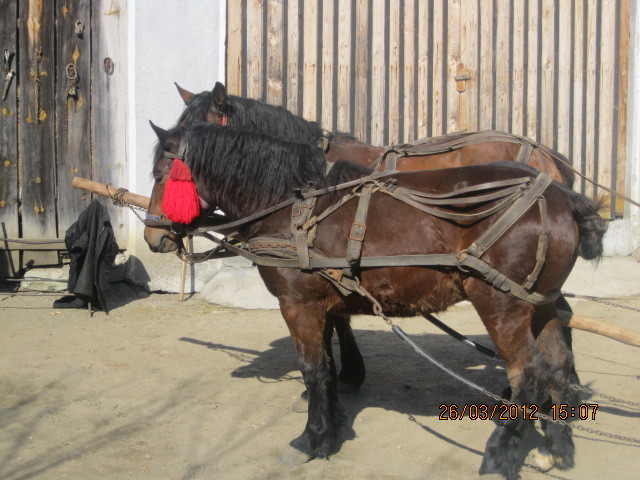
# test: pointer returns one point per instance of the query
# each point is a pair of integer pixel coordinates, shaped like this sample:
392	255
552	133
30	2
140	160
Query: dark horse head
213	152
217	107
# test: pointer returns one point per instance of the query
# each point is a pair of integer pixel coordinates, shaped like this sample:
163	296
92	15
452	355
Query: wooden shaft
600	327
109	191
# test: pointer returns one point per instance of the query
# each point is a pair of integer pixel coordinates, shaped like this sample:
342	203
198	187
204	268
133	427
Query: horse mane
255	115
256	169
273	120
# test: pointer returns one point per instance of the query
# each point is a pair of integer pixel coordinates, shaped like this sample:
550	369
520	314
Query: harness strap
461	261
359	226
510	216
524	153
300	213
543	245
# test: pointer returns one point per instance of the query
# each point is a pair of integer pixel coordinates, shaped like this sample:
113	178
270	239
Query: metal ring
71	71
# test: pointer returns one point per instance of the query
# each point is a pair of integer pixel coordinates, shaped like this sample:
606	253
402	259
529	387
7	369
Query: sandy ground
164	389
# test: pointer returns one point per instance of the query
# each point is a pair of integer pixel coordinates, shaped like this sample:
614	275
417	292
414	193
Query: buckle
357	231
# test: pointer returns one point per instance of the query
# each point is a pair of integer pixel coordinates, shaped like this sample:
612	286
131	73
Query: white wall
169	41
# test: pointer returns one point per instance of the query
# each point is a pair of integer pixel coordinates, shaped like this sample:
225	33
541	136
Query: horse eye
158	178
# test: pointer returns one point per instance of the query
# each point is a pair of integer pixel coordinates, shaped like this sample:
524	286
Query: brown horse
244	172
216	107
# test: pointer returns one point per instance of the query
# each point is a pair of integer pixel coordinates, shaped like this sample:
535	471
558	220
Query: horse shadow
397	379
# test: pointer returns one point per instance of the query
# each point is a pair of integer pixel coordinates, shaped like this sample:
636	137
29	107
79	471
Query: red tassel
181	203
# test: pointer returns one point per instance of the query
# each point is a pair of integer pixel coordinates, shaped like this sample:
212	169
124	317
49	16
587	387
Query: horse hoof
301	405
347	388
492	476
292	457
541	461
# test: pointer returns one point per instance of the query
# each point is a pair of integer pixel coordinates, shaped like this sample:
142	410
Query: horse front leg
311	333
353	371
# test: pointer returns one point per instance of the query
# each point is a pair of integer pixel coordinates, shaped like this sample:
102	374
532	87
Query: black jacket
92	247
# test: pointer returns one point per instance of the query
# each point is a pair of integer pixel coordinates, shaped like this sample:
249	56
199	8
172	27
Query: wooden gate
390	71
62	116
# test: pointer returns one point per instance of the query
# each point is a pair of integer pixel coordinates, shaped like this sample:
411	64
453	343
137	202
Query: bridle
153	220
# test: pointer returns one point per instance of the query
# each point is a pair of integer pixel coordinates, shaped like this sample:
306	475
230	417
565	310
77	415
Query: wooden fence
52	127
390	71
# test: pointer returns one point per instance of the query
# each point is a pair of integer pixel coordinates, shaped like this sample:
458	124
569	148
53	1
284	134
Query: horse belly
408	291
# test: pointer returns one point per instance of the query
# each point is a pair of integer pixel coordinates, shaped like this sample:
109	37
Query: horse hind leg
557	448
353	371
508	323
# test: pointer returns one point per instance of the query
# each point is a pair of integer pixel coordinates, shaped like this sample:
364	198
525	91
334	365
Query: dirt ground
163	389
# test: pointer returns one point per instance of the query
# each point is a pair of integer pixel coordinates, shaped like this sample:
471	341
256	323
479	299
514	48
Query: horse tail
591	226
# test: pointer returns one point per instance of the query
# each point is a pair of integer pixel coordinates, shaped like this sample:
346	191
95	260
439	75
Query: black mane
250	114
252	171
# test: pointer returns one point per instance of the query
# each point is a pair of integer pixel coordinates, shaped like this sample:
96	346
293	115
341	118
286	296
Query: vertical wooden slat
73	113
37	124
361	68
579	93
326	90
394	72
274	52
454	67
486	104
310	61
344	91
409	68
592	79
109	102
293	41
564	78
424	74
547	117
533	14
254	48
502	67
518	67
607	90
234	71
623	79
469	59
439	59
9	225
377	74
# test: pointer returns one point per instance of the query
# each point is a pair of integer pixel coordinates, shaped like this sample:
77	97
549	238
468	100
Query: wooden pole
593	325
109	191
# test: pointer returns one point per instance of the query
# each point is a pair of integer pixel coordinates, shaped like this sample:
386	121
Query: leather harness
512	197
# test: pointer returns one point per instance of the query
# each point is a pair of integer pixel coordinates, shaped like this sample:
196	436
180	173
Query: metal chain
580	388
377	310
600	300
36	81
118	200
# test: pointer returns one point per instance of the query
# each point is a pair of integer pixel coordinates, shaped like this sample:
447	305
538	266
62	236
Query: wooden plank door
73	99
9	226
36	120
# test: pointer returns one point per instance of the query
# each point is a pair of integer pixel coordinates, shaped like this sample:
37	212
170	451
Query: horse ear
162	134
187	96
220	98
